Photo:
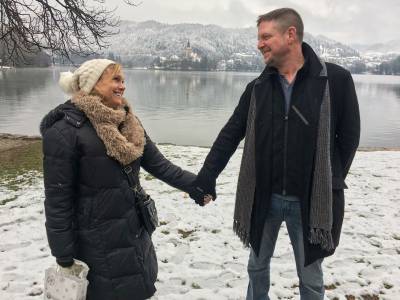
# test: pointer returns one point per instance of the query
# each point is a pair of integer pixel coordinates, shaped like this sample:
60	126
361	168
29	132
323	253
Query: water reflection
397	91
25	94
187	108
379	98
174	90
15	83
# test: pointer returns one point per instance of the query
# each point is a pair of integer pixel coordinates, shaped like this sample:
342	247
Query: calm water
187	108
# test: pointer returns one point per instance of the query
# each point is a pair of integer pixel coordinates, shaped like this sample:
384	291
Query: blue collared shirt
287	90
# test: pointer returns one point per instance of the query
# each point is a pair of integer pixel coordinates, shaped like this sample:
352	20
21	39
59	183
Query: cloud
227	13
355	21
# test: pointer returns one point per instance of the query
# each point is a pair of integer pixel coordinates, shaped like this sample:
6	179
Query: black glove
65	262
204	184
197	194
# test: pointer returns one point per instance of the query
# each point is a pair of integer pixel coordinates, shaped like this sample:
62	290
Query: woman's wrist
65	262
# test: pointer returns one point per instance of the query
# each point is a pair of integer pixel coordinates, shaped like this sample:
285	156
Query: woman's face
111	86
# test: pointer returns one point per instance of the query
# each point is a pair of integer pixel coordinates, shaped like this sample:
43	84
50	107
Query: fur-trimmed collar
119	129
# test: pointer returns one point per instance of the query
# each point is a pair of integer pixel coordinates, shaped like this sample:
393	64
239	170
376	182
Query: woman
91	212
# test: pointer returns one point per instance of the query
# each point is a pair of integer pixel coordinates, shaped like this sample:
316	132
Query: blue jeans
311	282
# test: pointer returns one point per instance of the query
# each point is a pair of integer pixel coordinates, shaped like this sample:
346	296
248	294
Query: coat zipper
300	115
286	120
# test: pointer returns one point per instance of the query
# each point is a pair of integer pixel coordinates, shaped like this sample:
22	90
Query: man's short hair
285	17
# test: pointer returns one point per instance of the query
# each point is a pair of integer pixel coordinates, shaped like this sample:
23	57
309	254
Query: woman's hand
77	269
204	185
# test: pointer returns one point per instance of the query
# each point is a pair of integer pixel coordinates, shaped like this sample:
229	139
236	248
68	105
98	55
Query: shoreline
148	68
10	141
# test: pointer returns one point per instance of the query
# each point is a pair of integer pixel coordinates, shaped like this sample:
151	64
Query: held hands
198	195
207	199
203	188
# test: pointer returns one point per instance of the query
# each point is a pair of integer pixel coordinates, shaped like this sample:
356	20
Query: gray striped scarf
321	216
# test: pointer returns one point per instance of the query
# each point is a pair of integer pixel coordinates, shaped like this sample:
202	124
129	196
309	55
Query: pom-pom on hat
85	77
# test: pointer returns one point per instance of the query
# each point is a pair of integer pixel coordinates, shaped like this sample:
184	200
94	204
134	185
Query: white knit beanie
85	77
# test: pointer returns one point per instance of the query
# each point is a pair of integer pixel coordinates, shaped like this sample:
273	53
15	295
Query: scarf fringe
241	232
321	237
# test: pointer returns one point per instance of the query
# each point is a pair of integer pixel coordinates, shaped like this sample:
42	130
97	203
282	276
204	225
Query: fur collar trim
119	129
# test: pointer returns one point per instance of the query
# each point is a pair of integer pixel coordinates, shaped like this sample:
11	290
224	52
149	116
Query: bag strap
129	174
133	184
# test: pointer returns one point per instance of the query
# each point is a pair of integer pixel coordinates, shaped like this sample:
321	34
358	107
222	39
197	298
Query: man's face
272	43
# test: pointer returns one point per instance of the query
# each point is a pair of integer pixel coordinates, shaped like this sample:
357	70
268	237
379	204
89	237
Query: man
301	121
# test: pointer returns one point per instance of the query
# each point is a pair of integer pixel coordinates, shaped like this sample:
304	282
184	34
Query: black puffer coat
90	209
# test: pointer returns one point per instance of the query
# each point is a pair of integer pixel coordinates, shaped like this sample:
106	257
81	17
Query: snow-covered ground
200	257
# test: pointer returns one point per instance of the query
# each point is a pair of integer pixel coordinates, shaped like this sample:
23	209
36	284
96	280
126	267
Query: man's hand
203	190
198	195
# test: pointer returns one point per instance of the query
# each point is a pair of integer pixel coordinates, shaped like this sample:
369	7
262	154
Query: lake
186	108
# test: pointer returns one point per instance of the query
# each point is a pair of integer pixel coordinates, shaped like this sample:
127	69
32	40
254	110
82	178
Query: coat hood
67	111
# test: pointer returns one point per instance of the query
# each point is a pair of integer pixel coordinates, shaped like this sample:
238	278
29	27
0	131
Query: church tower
188	50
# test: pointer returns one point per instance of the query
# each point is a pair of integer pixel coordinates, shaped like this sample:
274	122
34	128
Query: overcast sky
348	21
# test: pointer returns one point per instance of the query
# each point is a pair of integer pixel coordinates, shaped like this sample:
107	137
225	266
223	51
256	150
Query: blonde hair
115	68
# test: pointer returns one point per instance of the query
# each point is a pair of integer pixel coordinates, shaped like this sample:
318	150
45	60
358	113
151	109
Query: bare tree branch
62	27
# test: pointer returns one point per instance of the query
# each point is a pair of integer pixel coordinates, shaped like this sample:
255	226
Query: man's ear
291	34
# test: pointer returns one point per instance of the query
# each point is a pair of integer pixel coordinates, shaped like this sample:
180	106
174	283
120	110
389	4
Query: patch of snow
200	257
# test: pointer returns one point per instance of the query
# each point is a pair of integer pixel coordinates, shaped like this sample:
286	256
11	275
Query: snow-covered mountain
154	44
328	47
389	47
152	39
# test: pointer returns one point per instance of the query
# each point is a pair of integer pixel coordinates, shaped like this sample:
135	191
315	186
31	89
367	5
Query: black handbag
146	206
